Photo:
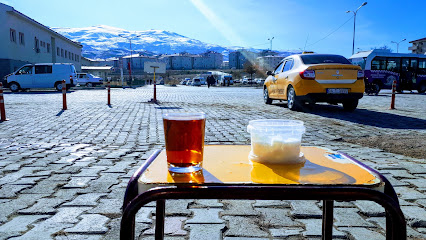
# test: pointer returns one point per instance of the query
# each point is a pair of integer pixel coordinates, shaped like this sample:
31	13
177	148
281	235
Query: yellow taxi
311	78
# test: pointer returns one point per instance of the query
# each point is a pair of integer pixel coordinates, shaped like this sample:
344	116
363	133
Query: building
23	40
187	61
268	63
238	58
419	46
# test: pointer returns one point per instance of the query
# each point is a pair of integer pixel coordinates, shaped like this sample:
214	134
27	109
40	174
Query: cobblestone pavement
63	173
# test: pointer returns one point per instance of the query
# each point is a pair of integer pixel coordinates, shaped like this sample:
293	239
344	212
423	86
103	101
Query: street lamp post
131	51
270	39
397	44
353	40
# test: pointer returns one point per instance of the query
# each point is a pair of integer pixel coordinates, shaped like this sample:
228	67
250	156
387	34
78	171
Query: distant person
209	81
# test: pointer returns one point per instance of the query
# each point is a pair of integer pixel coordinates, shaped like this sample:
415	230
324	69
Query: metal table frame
395	221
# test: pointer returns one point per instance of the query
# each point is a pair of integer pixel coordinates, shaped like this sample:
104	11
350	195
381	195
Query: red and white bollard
2	109
64	95
109	93
393	95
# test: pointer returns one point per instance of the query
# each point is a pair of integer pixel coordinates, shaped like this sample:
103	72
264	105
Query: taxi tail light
307	74
360	74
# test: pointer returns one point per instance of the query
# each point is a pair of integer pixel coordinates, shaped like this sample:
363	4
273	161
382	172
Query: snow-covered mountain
104	42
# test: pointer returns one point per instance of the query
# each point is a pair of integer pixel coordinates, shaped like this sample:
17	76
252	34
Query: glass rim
184	116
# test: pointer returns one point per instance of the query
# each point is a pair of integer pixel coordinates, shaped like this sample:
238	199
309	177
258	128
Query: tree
249	68
384	47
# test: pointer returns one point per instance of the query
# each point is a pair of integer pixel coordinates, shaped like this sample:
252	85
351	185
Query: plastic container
276	141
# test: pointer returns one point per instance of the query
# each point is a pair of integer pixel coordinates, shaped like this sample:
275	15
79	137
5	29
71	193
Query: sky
321	26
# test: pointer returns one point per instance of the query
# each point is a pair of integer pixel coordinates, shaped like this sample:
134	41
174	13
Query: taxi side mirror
269	73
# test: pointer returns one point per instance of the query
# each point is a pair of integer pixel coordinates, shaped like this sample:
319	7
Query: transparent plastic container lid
275	125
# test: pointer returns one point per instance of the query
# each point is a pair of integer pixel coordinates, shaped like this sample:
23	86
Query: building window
12	35
66	53
36	45
62	52
48	48
58	52
77	58
21	38
72	56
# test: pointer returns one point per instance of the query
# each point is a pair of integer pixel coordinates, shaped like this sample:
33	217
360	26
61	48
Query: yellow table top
229	164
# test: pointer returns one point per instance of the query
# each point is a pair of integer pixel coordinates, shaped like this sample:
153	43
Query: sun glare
221	26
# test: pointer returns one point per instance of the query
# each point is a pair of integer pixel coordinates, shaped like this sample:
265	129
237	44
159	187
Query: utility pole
131	51
397	44
353	40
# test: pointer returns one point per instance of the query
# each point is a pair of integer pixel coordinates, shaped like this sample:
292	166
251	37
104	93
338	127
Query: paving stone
239	208
18	225
362	233
103	183
109	207
271	203
78	182
244	226
400	174
305	209
370	208
418	183
43	206
314	229
11	191
411	233
144	215
205	231
172	226
349	217
205	216
409	194
206	203
90	224
88	199
177	207
414	215
276	217
78	237
286	232
92	171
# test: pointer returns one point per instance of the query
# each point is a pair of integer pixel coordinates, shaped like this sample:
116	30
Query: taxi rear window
321	59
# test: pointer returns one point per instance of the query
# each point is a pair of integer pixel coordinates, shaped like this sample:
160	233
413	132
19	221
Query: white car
189	83
42	75
88	80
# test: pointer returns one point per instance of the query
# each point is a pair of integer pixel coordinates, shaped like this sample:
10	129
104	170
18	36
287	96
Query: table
229	174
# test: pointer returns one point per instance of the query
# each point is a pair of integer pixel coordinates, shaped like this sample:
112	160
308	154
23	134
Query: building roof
419	40
104	68
25	17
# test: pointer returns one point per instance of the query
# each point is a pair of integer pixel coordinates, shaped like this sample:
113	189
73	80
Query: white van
42	75
88	80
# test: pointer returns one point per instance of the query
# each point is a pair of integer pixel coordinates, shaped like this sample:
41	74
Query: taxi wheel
292	102
350	105
266	96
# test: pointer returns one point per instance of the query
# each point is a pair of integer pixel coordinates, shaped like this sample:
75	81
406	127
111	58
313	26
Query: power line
331	32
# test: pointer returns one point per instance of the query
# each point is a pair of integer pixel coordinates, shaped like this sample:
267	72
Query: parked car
196	82
183	82
189	83
260	81
42	75
203	81
244	81
314	78
88	80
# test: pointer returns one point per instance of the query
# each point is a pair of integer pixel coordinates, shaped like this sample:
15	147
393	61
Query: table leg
159	219
327	219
